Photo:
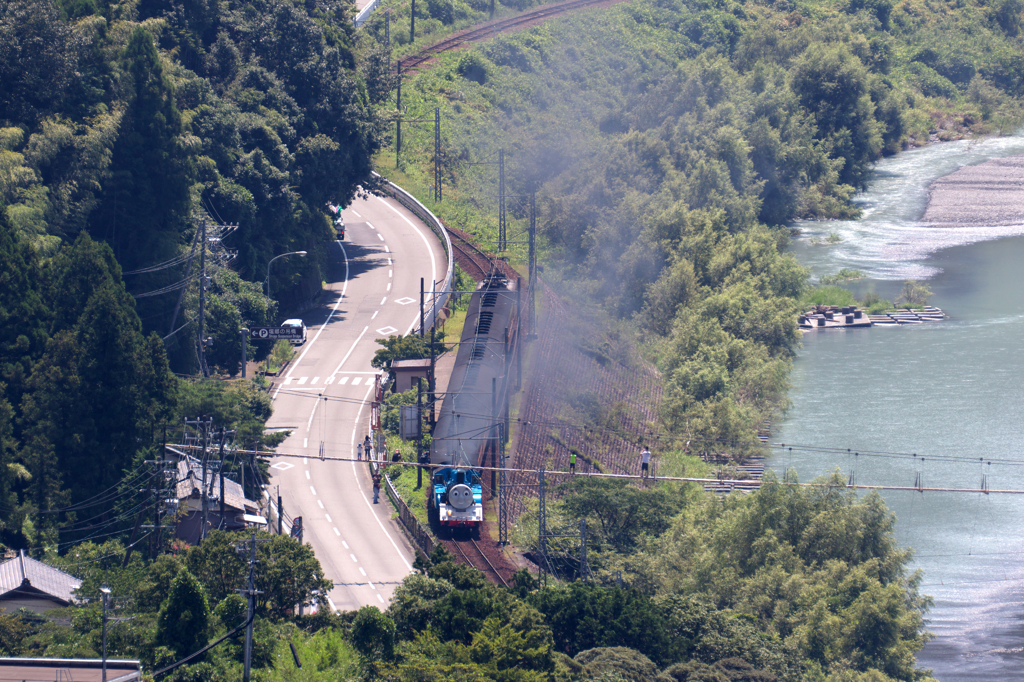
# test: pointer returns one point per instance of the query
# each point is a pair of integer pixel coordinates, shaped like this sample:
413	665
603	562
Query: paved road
324	398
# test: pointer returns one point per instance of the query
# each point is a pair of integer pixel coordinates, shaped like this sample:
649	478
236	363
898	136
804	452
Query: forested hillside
123	128
669	144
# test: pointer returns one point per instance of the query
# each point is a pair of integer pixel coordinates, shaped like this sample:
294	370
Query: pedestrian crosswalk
342	379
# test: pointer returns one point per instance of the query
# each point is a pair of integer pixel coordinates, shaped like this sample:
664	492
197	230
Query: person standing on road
359	452
572	463
645	461
376	487
366	446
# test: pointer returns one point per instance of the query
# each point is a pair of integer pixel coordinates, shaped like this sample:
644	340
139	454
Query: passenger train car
471	409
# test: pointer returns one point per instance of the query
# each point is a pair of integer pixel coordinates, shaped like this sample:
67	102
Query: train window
460	477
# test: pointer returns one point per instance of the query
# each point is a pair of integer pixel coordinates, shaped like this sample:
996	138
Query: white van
296	322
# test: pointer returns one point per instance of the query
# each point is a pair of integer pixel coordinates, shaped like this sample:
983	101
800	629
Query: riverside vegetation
667	145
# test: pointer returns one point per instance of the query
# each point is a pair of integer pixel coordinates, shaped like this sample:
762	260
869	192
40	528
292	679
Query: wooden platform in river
851	317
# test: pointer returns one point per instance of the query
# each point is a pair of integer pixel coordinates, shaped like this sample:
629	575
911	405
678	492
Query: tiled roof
190	478
23	573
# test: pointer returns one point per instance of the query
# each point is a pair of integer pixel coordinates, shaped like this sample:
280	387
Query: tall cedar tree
185	617
146	193
97	390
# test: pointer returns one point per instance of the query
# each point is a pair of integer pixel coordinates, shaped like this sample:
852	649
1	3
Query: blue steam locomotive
458	497
468	421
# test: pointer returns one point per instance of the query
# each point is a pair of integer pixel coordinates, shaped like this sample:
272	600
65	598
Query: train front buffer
458	497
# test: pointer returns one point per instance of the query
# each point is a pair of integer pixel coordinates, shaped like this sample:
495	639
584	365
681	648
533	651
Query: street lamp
290	253
106	594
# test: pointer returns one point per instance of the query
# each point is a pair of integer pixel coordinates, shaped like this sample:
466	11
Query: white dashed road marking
328	517
381	236
312	490
337	532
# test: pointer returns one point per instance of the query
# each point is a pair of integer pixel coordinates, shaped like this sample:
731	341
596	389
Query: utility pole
280	513
431	386
398	121
412	23
502	491
206	498
437	153
251	594
533	264
422	300
542	531
387	28
222	523
244	333
502	242
202	301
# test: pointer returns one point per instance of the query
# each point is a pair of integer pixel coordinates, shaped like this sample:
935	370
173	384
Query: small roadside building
239	512
33	585
408	371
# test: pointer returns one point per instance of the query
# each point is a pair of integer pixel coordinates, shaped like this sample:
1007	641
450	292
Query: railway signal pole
533	263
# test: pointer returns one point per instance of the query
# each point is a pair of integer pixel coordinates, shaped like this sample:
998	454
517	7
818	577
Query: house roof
24	576
412	364
190	481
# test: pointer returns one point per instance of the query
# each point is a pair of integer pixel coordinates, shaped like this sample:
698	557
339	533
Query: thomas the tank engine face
460	496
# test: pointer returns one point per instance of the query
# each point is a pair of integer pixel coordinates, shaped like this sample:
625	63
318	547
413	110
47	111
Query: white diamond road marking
386	330
405	301
282	466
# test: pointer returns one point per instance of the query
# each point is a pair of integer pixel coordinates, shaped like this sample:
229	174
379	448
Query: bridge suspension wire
651	479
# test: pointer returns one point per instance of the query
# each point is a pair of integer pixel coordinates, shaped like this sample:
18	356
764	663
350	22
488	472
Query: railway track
489	29
481	563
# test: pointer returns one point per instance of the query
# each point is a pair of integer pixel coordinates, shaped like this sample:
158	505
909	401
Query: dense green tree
185	616
373	634
619	514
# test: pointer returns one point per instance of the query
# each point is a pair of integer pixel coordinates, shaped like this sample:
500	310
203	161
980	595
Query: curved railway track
490	28
480	562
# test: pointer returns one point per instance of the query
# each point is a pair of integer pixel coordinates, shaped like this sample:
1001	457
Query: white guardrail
364	14
439	297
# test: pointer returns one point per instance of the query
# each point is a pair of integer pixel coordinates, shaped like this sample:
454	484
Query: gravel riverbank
989	193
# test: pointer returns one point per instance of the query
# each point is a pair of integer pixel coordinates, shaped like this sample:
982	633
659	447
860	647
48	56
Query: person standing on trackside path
645	461
572	463
376	487
397	457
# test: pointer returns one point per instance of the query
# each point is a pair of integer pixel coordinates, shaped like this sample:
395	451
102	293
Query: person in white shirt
645	461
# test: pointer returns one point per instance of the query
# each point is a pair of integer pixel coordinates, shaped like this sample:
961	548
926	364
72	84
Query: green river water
951	393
